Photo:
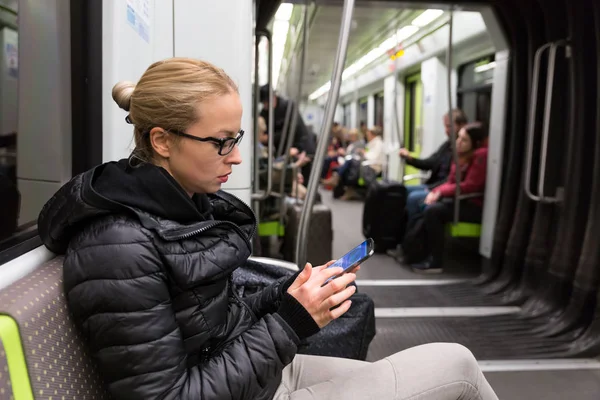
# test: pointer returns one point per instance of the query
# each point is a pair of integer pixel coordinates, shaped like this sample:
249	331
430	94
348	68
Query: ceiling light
427	17
485	67
406	32
284	12
320	91
280	34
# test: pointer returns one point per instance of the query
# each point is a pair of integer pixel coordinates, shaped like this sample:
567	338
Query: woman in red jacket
439	203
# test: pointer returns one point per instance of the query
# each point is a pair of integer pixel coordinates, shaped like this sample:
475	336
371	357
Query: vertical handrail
532	121
285	130
397	121
296	109
334	92
271	118
451	119
546	126
547	114
255	115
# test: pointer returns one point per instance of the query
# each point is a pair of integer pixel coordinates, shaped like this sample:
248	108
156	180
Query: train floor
385	279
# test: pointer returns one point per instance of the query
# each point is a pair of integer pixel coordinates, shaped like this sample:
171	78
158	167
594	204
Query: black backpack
414	245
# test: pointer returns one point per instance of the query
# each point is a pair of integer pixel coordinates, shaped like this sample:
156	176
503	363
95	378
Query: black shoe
426	267
397	254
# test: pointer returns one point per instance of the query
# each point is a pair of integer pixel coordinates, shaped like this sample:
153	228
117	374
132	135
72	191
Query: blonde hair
167	96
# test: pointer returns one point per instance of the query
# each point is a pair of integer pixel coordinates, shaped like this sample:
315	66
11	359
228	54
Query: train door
475	89
413	120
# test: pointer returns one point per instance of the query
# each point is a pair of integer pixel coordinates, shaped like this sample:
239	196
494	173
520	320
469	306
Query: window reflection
10	199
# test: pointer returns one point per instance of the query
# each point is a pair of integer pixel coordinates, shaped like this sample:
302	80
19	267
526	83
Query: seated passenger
439	203
438	163
355	144
297	188
371	157
151	243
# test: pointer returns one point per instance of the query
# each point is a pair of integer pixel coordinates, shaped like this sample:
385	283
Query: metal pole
397	121
451	118
296	109
271	118
334	92
255	184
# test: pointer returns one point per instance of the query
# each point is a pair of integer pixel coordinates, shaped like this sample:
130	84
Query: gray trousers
437	371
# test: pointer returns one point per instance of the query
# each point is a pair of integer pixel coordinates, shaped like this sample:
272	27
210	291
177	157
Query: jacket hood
146	192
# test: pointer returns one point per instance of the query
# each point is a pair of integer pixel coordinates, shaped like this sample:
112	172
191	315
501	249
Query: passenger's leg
413	188
414	202
436	216
440	371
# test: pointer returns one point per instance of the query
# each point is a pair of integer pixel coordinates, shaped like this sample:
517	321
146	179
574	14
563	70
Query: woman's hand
432	197
319	299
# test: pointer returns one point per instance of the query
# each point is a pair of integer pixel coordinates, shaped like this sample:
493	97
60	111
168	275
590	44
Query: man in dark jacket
438	163
303	140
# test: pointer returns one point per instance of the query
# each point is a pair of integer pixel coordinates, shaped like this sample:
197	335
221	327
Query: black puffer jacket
147	276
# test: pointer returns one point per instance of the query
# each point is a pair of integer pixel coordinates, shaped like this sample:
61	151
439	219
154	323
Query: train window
347	115
37	153
13	230
379	109
363	114
475	88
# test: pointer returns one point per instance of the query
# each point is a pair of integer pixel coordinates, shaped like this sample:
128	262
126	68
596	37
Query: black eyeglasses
226	145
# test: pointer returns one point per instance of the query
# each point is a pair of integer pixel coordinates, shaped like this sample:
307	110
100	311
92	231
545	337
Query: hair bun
121	94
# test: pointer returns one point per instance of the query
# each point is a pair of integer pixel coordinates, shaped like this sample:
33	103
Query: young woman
151	243
439	203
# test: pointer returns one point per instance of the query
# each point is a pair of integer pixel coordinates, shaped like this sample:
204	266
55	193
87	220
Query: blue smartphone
355	257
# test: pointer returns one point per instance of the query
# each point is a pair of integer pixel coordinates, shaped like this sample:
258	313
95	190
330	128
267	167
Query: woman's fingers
326	265
341	310
339	297
302	278
339	283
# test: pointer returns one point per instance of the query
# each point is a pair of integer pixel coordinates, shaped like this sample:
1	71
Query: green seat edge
15	357
464	229
271	228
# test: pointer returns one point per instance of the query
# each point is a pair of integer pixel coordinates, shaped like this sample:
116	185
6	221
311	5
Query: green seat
271	228
464	229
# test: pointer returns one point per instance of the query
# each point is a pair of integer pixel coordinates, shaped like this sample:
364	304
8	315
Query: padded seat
41	349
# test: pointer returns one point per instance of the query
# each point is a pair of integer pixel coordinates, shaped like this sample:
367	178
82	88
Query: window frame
86	111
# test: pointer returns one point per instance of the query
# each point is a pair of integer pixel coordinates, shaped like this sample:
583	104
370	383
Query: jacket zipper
248	208
208	351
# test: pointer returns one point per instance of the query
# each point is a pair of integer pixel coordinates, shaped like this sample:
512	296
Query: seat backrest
41	348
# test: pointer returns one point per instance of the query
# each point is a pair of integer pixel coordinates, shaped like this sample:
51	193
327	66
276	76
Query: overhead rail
334	92
552	47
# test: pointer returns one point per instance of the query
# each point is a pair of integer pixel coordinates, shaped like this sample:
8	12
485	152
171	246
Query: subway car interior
374	89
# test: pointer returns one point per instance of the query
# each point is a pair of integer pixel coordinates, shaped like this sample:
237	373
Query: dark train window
379	109
363	114
475	88
10	199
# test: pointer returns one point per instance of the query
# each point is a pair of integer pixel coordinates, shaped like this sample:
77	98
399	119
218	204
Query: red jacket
473	177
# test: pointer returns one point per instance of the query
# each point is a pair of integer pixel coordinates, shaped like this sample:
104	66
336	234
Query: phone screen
355	255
